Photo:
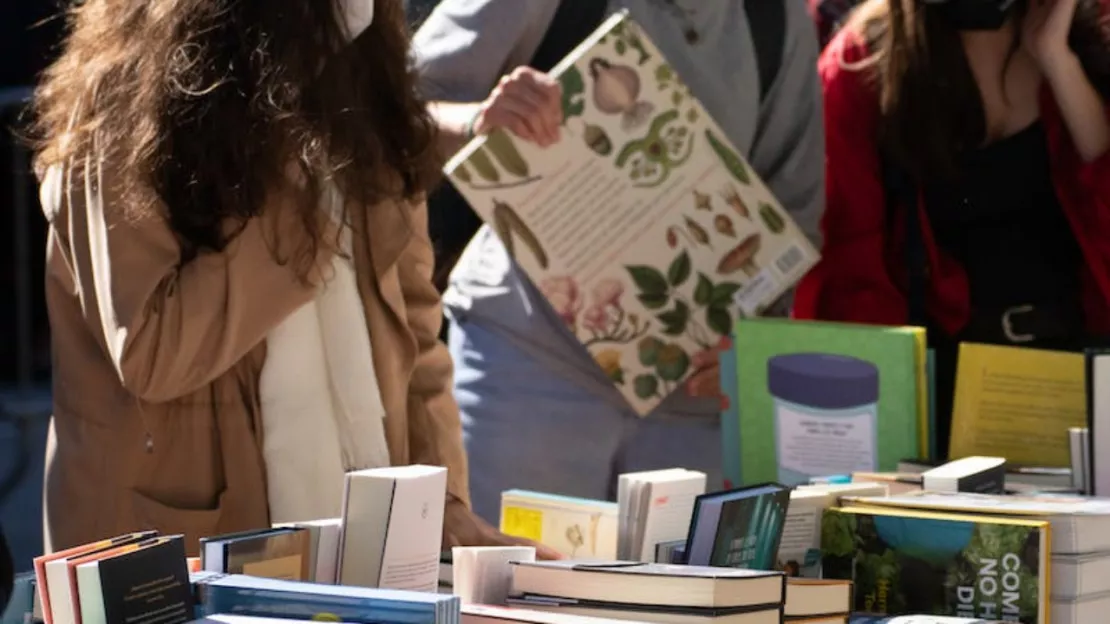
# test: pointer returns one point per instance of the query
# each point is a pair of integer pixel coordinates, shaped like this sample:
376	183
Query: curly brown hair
202	107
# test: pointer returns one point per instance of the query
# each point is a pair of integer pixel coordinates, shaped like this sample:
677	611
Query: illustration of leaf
620	46
484	166
653	301
723	293
504	150
648	350
648	279
674	321
703	292
574	92
663	72
692	115
676	98
646	385
718	319
679	270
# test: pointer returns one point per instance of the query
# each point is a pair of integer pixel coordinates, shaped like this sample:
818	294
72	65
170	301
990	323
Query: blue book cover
730	419
246	595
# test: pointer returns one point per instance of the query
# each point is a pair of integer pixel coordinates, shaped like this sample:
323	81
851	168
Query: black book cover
149	585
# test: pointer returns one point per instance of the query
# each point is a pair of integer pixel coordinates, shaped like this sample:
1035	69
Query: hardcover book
904	561
645	229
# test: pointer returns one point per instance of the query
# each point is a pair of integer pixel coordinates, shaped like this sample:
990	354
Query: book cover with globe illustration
904	562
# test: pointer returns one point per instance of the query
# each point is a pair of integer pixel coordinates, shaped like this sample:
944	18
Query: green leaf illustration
648	279
663	72
674	321
679	270
620	46
703	292
673	363
723	293
718	319
654	301
648	350
574	92
646	386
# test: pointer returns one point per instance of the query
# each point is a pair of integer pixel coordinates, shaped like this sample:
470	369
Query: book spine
730	418
356	610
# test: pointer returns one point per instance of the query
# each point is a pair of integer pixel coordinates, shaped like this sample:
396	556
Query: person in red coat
968	176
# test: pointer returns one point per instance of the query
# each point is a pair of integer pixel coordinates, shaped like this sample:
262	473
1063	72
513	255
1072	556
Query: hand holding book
462	527
525	102
706	380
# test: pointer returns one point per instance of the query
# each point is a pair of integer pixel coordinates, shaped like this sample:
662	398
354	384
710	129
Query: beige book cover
644	228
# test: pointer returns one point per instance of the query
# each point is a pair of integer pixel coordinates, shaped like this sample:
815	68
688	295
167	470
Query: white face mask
357	16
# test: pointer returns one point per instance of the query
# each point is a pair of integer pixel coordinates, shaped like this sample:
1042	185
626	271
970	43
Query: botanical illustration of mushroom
724	226
617	92
741	257
734	201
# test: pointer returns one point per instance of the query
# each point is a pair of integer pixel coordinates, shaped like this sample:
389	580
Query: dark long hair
929	100
206	107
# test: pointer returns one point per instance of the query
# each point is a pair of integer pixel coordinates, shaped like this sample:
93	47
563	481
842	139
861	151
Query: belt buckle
1008	324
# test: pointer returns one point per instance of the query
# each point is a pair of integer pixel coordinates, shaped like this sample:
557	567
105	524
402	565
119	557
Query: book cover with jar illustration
644	227
903	561
818	399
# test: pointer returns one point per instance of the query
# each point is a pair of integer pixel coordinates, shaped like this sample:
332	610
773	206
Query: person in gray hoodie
538	412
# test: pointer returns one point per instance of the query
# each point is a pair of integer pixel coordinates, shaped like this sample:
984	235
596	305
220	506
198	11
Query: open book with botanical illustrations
643	226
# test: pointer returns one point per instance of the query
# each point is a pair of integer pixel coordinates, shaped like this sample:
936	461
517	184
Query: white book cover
669	506
645	229
1098	422
393	528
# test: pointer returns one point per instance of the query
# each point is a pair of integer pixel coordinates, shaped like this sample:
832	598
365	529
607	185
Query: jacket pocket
194	524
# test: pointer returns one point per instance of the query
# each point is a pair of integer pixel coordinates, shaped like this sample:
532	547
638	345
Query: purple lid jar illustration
825	414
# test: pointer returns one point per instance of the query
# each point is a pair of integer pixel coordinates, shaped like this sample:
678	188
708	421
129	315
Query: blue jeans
526	426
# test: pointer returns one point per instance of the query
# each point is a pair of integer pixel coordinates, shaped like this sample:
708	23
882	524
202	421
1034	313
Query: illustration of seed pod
731	160
462	173
723	225
771	218
483	166
697	232
509	225
504	150
597	140
702	201
672	238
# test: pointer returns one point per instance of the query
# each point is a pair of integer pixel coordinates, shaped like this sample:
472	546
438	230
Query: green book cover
819	399
940	564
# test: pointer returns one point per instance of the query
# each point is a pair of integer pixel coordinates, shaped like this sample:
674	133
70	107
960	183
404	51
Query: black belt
1029	324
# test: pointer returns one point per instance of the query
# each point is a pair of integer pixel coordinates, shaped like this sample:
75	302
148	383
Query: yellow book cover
1008	396
576	527
944	564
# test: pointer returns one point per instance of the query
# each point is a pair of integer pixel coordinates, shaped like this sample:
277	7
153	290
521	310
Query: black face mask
975	14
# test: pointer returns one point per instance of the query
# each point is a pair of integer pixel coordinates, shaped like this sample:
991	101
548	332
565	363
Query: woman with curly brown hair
238	268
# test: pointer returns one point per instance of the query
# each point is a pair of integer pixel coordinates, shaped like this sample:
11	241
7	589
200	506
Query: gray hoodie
465	46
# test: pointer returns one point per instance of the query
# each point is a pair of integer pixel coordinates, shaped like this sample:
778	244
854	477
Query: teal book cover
820	399
730	420
739	528
939	564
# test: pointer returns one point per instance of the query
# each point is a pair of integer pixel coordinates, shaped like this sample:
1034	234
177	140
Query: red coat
862	276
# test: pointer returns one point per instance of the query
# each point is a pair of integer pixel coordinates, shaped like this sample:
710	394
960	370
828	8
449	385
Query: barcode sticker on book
792	258
756	294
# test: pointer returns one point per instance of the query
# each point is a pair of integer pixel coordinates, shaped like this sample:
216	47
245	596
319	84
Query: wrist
1059	63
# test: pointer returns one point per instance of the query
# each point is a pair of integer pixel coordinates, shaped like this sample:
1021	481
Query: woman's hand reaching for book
462	527
527	103
706	380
